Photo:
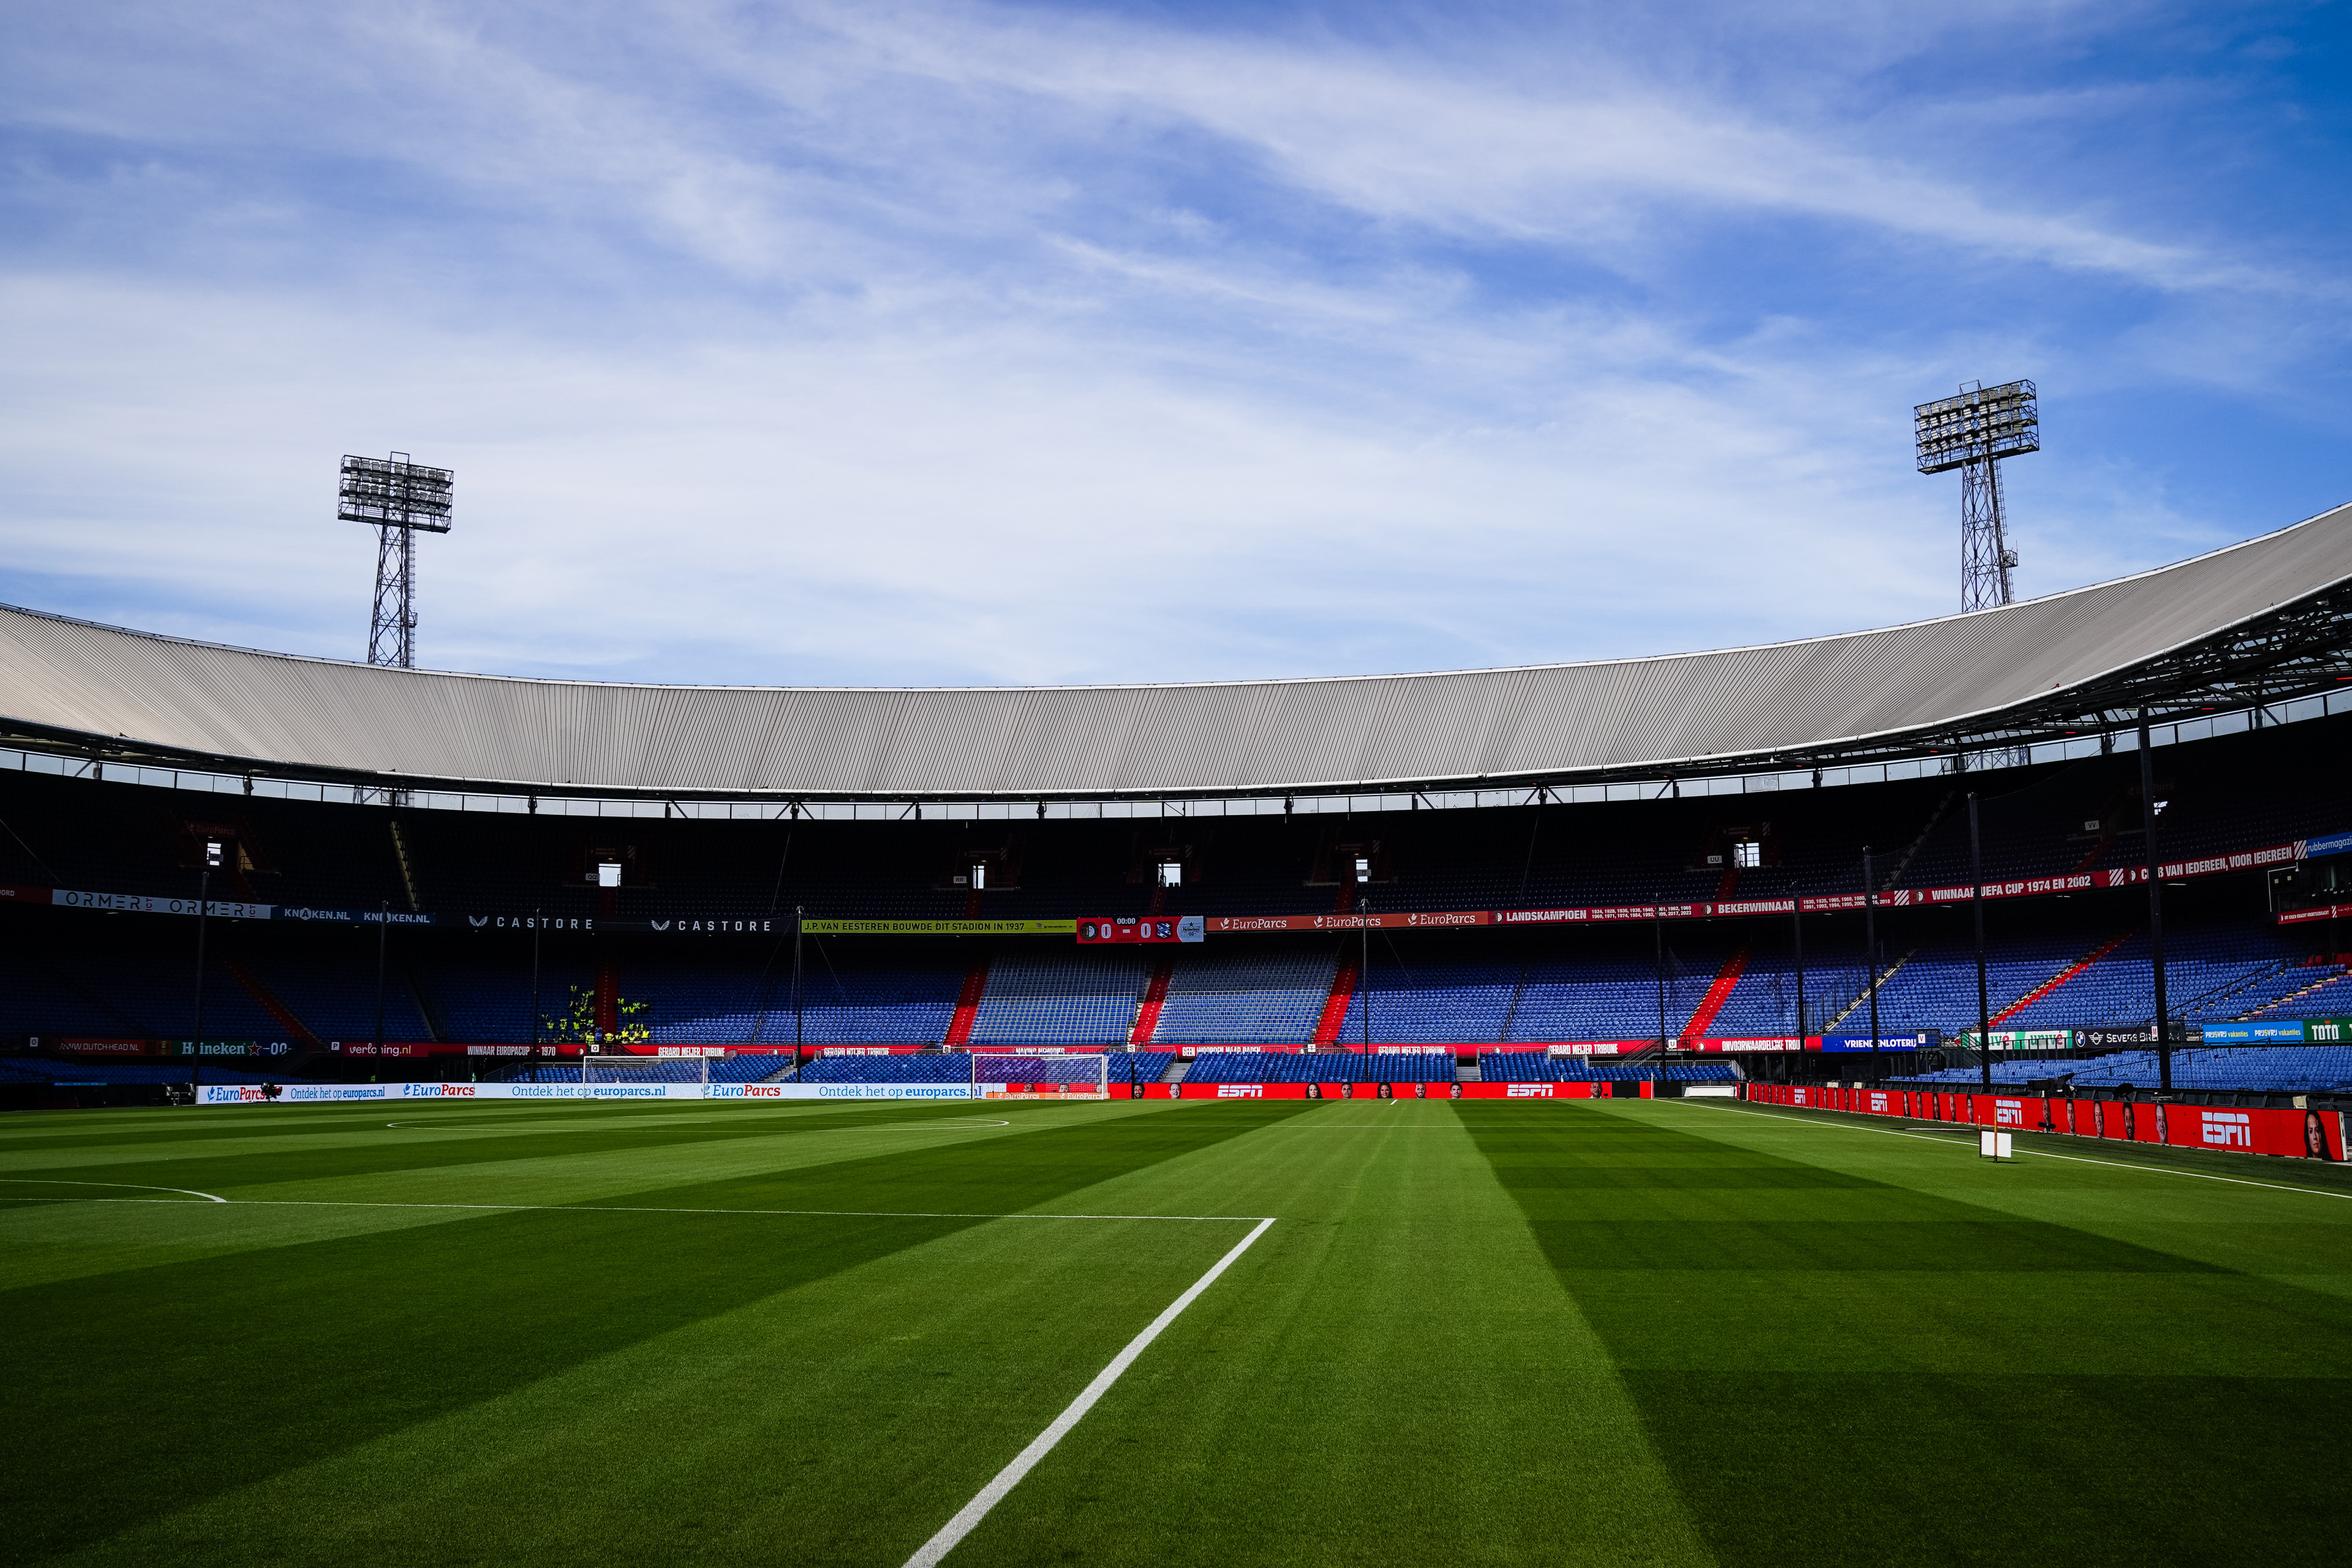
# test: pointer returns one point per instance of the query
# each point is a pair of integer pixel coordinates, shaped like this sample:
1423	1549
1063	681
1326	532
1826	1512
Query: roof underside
2015	670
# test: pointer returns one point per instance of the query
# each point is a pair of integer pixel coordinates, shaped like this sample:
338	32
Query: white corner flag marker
971	1513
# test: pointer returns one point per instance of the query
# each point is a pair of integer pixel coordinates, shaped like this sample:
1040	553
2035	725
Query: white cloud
962	343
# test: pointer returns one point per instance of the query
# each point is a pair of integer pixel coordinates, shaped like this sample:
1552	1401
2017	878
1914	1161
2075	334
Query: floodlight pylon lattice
397	497
1973	432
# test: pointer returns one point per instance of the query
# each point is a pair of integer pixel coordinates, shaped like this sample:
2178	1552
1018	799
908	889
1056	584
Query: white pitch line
617	1208
954	1531
2044	1153
133	1186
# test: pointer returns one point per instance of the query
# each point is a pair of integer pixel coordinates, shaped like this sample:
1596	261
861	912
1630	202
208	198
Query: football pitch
1475	1331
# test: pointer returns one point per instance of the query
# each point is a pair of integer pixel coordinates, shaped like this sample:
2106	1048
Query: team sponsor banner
2023	1039
360	917
2327	1031
834	927
2316	912
1099	928
2333	844
1423	920
532	922
2290	1031
132	903
105	1048
701	925
1910	1041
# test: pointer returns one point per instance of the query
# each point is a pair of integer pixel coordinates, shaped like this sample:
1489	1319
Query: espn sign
2228	1130
1528	1092
1240	1091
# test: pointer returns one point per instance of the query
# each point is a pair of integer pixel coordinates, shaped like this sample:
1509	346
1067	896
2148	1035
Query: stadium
1891	1095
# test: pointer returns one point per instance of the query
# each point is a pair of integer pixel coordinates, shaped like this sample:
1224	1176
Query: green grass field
1560	1332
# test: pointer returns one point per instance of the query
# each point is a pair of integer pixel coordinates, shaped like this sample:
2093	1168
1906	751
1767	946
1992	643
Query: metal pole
1870	947
1364	987
535	923
1658	927
797	922
1796	925
2154	906
1976	907
383	924
197	1045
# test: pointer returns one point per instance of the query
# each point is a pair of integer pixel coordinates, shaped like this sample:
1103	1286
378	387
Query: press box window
1747	854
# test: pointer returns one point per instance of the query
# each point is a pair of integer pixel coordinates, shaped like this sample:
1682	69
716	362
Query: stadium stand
1321	1067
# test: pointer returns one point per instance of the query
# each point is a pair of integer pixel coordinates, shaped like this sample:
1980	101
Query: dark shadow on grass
137	1392
1912	1436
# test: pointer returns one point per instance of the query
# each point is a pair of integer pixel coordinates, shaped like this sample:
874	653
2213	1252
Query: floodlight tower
1973	432
398	497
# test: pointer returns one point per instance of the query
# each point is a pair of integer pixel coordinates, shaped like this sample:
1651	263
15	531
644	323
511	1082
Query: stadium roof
2256	621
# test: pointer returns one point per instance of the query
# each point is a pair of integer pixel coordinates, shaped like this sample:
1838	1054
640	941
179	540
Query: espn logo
2230	1129
2009	1112
1527	1091
1877	1100
1240	1091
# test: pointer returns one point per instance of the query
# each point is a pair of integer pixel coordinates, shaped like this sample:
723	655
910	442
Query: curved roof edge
109	689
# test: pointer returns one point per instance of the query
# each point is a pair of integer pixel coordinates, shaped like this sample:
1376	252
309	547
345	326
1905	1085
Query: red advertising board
2251	1129
1429	920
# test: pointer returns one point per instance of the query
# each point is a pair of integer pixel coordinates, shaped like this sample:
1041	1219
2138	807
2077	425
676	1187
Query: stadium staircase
1176	1068
1335	1004
1703	1017
2055	980
1902	862
408	866
2211	1000
1861	997
967	1007
2335	979
1147	1012
273	1006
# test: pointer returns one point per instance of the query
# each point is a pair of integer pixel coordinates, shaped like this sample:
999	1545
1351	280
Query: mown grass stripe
1006	1480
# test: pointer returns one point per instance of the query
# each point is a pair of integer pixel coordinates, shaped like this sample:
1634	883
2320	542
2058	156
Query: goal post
617	1066
1067	1076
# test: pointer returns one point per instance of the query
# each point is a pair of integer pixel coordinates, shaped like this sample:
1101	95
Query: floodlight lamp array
1977	426
392	492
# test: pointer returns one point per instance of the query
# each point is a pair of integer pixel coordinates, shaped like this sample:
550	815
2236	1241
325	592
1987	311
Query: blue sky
965	343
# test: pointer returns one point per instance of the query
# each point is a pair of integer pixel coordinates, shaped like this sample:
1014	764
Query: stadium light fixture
397	498
1972	432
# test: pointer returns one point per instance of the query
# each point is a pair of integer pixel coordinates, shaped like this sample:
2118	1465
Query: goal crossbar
1027	1076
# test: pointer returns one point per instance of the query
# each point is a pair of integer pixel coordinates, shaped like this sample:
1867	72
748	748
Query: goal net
1040	1077
609	1066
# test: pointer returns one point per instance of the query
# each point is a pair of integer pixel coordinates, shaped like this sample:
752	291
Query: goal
1040	1077
614	1067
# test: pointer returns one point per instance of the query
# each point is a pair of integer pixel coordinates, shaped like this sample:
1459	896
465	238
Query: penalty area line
1963	1142
954	1531
615	1208
128	1186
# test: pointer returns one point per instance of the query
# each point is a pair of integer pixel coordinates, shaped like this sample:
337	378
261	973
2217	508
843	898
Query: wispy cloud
967	342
